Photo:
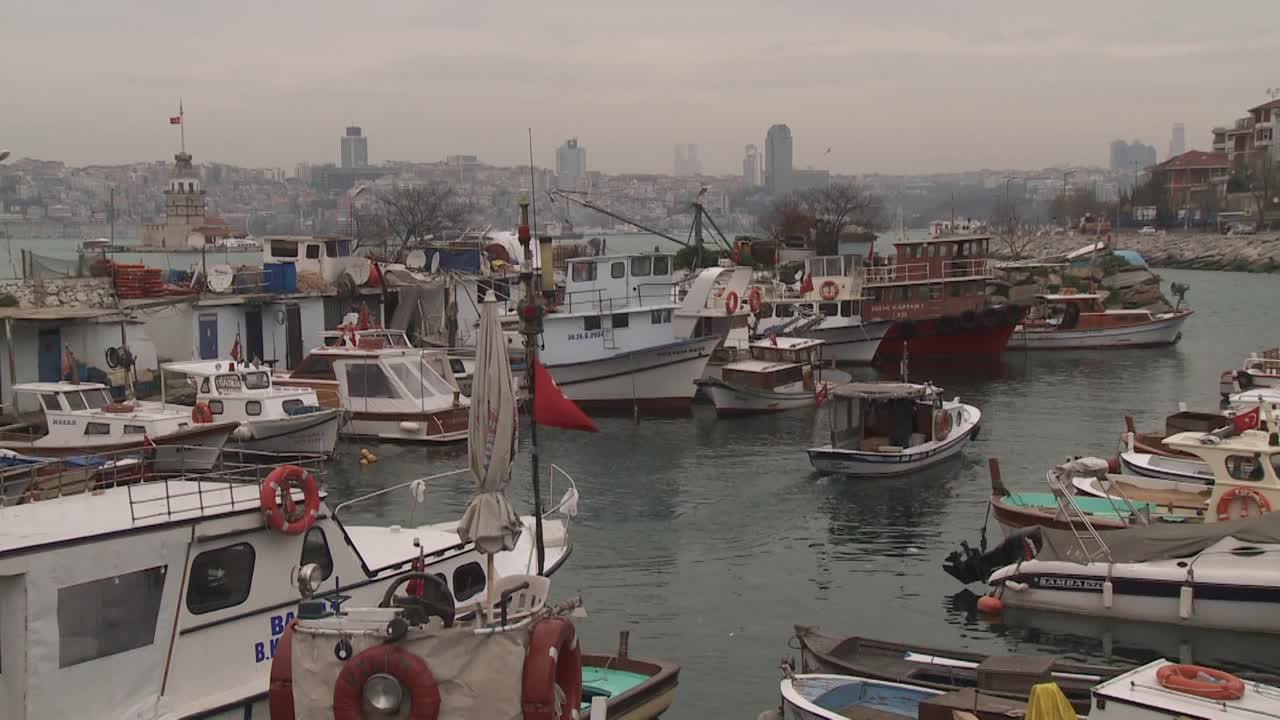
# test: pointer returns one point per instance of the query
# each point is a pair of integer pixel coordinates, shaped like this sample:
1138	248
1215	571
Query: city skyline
1010	86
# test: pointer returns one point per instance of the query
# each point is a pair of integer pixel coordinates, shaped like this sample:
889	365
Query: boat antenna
533	190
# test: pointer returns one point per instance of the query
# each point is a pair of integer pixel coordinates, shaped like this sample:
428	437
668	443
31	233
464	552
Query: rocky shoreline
1193	250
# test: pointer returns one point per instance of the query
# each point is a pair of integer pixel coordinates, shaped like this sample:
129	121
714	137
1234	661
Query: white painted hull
401	431
1166	468
738	400
187	458
858	463
657	377
313	433
1162	331
851	344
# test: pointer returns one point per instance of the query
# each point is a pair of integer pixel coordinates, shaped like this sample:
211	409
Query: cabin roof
944	239
47	387
209	368
880	390
57	313
1068	298
759	365
1247	442
788	343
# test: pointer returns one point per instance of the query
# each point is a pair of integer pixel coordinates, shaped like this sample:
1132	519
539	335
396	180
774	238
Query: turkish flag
552	408
175	119
806	285
1246	421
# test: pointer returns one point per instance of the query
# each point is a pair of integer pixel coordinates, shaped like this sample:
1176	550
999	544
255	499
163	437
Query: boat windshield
96	398
257	381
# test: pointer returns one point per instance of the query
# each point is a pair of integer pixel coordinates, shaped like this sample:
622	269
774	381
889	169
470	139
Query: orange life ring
755	299
283	514
554	659
201	413
941	425
829	290
118	408
280	692
411	670
1224	502
1190	679
731	302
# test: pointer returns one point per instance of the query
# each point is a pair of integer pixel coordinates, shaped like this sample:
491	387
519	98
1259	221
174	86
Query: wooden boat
634	688
939	670
1068	321
1165	467
832	697
1181	421
783	373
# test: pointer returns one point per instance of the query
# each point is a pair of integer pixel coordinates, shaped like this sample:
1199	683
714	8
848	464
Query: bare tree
1004	216
1260	176
786	216
411	213
841	205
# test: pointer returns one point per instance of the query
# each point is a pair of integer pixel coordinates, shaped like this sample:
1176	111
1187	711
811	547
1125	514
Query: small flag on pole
1247	420
552	408
806	285
821	396
175	119
235	349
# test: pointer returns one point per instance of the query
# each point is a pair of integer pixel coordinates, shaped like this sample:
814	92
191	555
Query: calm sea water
709	539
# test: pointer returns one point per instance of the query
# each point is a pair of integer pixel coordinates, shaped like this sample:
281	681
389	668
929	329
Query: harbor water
709	539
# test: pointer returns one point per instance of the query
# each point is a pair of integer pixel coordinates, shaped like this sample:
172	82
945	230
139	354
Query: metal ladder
1072	513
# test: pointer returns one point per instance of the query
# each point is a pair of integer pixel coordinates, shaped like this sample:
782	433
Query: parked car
1241	229
1147	230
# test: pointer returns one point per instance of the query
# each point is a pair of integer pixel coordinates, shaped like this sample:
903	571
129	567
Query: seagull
828	152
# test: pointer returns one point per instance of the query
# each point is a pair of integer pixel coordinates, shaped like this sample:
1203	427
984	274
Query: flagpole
530	359
182	127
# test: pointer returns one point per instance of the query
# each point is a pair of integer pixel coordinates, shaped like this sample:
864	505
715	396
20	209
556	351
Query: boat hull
932	342
1013	518
314	434
1162	467
658	379
192	450
733	400
857	463
441	426
1158	332
851	344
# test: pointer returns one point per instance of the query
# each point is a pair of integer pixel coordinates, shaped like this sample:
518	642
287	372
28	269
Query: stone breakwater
79	292
1198	251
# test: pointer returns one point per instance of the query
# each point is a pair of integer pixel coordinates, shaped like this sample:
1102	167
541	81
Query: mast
182	127
697	230
531	327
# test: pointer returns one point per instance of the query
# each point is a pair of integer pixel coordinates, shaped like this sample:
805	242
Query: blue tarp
1133	256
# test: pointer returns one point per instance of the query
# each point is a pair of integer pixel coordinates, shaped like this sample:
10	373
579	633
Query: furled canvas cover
1161	541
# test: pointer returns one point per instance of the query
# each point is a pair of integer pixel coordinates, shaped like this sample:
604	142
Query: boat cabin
616	281
1080	311
882	416
1245	467
236	391
931	277
85	416
326	257
776	363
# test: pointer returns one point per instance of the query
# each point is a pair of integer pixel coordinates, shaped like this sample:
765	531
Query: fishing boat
890	428
81	418
1179	422
1080	320
1162	690
1260	370
1164	467
783	373
270	419
836	697
944	670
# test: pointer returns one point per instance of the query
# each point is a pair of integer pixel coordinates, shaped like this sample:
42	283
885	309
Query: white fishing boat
1260	370
270	419
1066	321
1162	690
83	419
783	373
888	428
1165	467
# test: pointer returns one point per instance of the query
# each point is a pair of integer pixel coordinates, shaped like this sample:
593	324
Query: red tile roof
1194	159
1267	105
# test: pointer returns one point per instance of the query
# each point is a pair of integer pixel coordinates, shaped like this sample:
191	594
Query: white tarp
489	521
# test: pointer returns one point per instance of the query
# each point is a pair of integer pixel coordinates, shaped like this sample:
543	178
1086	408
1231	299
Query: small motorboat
1260	370
880	429
835	697
1181	421
1161	690
783	373
1017	510
1068	321
1166	467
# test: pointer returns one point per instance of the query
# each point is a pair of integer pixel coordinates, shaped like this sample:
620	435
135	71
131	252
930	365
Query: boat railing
215	488
417	488
1076	518
921	271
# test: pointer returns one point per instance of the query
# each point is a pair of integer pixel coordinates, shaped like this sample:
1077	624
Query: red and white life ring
1188	679
731	302
754	299
201	413
411	670
276	499
941	425
280	691
554	660
1224	502
829	290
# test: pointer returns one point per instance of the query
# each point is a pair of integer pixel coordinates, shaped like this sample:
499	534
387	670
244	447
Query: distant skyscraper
1178	140
684	160
571	165
751	166
355	149
777	159
1131	157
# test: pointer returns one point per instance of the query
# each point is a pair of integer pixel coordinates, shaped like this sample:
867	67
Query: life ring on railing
280	691
412	672
1224	503
1208	683
731	302
276	499
554	660
755	299
941	425
201	413
118	408
829	290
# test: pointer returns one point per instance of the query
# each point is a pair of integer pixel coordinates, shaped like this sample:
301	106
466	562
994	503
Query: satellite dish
435	261
416	260
359	268
221	278
195	241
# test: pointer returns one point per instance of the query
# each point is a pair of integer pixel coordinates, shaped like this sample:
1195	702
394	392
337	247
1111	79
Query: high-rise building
751	166
677	160
355	149
1178	140
1131	157
777	159
684	161
571	166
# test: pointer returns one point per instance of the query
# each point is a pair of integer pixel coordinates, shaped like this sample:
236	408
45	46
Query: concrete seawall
1199	251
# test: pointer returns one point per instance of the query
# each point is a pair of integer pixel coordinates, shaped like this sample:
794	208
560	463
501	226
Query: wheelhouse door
208	336
13	646
50	353
293	335
253	334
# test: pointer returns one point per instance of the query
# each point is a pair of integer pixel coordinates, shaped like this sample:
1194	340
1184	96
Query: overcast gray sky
890	86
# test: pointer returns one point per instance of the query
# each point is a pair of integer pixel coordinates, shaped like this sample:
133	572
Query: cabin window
584	271
314	367
290	405
913	251
902	293
50	401
621	320
331	248
313	251
468	581
253	407
657	317
94	428
661	265
456	367
765	311
227	383
284	249
641	266
215	407
1245	467
220	578
204	386
135	430
955	289
846	308
408	377
368	381
108	616
315	551
96	398
257	381
786	310
591	322
617	270
75	401
829	309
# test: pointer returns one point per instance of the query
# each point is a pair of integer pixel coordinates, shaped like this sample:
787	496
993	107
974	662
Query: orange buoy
990	605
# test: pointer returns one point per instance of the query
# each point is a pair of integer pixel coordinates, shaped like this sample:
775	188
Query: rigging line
723	239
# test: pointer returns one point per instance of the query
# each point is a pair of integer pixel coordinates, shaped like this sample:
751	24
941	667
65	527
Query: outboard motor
974	566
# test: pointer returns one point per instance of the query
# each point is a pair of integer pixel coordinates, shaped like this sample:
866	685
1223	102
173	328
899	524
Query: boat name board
695	349
587	335
1067	583
63	421
264	651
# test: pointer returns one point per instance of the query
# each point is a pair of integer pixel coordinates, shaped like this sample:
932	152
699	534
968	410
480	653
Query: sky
903	86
